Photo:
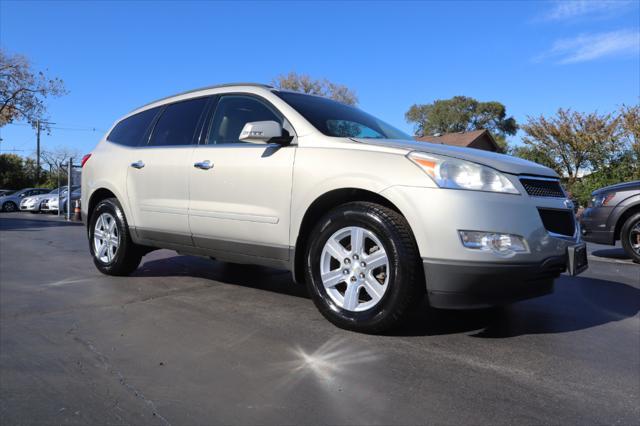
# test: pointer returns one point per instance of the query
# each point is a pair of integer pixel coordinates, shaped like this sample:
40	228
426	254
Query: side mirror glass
263	132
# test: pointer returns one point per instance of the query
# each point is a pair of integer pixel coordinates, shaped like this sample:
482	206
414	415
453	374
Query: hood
624	186
42	196
501	162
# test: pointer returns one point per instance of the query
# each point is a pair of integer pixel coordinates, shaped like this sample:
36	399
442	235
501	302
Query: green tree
23	91
624	169
534	154
322	87
573	143
16	172
462	114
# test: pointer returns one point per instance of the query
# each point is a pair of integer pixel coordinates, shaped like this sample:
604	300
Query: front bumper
30	207
594	226
48	206
460	277
469	285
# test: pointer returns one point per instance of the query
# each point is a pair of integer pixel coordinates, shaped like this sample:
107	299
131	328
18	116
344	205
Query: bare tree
305	84
23	91
56	159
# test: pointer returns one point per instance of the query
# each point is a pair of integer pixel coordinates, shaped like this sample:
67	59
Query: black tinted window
177	124
130	131
232	113
335	119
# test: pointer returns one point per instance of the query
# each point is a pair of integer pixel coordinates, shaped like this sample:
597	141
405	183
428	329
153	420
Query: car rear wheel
362	268
9	206
630	236
113	251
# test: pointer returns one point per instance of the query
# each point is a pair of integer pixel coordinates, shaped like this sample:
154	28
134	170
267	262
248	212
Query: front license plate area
577	256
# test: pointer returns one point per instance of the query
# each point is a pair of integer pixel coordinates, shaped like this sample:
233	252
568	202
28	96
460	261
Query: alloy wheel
634	238
354	269
106	238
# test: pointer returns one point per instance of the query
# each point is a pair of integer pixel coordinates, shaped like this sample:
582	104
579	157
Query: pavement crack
121	378
169	293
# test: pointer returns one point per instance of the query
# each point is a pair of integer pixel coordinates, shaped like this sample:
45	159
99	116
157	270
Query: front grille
542	188
558	221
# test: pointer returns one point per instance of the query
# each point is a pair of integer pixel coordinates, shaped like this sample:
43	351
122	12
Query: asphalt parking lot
193	341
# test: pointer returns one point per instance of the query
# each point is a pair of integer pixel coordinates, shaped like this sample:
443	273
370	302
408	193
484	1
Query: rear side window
131	130
178	123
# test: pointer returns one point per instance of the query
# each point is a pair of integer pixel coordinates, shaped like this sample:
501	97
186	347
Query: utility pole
69	171
38	128
38	153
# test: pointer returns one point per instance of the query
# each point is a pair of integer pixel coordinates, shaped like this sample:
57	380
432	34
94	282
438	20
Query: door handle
138	164
204	165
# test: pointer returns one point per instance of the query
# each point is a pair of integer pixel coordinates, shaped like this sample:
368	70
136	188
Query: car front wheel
363	270
9	206
113	251
630	236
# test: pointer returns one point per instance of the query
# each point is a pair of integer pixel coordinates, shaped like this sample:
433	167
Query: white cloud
572	9
587	47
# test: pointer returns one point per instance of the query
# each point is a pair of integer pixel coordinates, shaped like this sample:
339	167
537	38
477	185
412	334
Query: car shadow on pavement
16	223
251	276
614	253
576	304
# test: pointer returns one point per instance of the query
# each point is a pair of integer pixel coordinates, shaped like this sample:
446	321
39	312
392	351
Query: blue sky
532	56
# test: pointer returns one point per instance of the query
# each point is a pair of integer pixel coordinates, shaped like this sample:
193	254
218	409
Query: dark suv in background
614	214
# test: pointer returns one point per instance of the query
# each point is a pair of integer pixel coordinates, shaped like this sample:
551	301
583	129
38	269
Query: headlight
448	172
602	199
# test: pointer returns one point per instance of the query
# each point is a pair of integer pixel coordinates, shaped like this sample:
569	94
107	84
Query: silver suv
369	219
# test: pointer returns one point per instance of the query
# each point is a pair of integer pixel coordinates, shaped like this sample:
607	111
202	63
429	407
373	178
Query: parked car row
37	200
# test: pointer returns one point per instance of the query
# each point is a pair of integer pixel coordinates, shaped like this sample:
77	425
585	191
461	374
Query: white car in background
10	202
50	203
33	203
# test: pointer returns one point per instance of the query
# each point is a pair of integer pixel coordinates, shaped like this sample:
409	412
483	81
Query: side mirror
265	132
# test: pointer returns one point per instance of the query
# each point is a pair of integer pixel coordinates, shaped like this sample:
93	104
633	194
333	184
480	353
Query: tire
401	279
126	256
9	207
630	235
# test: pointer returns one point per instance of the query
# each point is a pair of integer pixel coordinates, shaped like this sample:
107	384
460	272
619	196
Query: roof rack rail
216	86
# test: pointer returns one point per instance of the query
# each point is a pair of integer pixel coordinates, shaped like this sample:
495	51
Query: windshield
339	120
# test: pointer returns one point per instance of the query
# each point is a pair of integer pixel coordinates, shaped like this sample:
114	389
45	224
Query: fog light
504	245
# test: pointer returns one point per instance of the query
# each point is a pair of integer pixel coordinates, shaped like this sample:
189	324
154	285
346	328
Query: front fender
318	171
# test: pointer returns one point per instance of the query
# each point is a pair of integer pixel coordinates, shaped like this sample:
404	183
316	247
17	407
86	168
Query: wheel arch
626	214
318	208
97	196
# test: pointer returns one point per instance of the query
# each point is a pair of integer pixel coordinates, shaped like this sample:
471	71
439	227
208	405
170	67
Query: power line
79	129
67	127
